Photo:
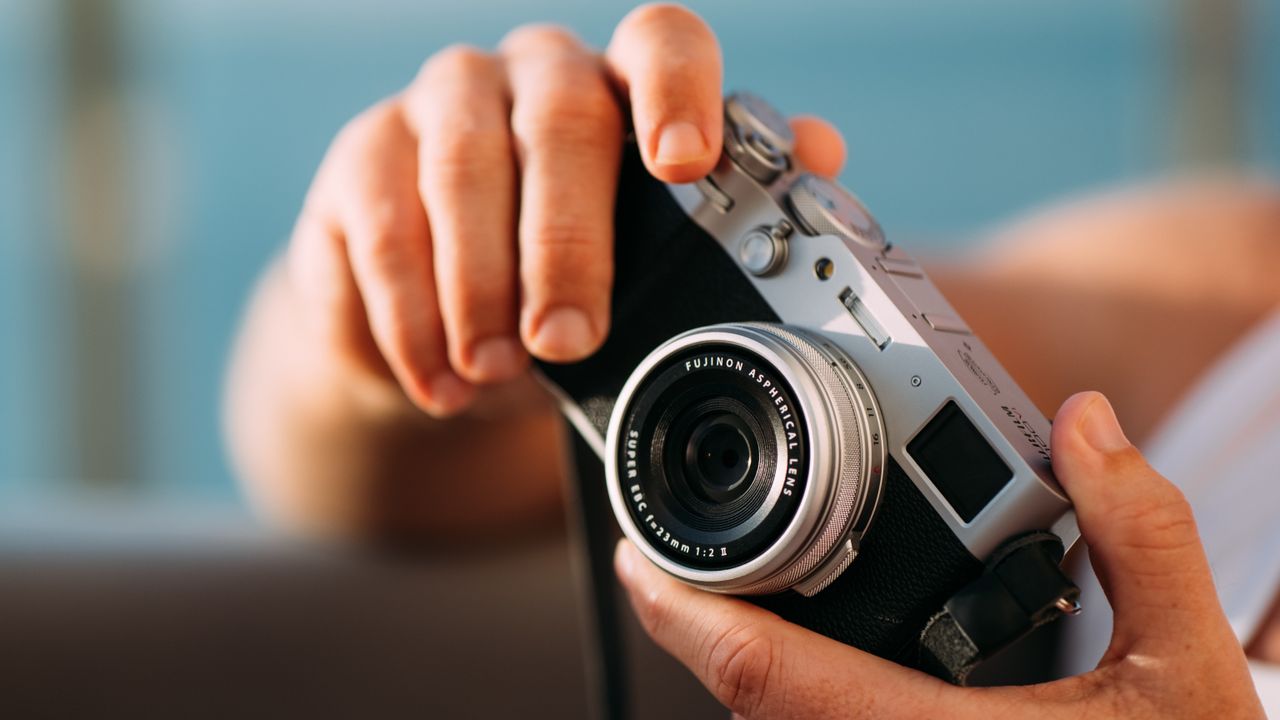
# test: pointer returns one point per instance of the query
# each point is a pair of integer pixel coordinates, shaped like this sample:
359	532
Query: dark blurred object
253	630
218	627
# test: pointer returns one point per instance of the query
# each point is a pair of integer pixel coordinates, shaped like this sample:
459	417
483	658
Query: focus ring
857	471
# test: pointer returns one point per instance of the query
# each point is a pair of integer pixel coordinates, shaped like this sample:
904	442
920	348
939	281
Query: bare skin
380	386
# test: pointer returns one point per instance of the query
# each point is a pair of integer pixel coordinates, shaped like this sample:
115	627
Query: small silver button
764	250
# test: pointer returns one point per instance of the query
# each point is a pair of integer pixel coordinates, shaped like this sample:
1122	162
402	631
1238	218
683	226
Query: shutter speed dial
824	208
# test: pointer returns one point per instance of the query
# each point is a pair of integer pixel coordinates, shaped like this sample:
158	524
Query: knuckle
466	153
380	239
364	130
538	37
563	235
455	60
1169	517
566	266
582	117
1159	514
741	666
474	306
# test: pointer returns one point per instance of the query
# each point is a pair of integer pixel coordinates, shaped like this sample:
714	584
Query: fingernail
496	359
1100	427
448	393
565	334
624	561
680	142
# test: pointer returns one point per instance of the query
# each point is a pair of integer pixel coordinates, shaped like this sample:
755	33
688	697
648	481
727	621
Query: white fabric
1222	447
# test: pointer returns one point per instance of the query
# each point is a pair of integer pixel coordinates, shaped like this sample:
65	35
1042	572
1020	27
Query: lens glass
719	457
713	455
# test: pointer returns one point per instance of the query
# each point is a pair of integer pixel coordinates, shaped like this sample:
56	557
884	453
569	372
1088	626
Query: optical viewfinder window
959	461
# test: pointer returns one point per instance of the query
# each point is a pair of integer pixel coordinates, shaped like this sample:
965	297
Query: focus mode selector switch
756	137
749	113
824	208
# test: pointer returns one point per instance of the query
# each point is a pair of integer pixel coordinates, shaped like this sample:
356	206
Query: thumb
1142	537
762	667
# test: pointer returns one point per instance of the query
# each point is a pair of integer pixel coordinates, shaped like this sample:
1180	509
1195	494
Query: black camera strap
593	535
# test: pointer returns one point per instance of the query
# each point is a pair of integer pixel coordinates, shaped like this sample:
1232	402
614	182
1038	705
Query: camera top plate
833	272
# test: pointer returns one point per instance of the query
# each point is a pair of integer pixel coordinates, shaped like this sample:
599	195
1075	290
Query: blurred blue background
153	154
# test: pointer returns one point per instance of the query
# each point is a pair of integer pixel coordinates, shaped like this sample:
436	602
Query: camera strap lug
1021	588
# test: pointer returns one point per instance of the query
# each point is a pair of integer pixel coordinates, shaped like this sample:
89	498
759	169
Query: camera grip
671	276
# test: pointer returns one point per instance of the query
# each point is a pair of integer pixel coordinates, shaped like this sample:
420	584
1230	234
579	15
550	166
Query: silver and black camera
788	409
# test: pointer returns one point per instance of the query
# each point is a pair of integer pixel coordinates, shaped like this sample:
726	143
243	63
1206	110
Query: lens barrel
741	456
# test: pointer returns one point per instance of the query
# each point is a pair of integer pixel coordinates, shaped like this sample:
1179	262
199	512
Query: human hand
468	221
1172	653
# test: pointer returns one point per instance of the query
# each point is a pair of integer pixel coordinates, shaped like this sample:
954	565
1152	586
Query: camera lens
712	448
740	452
718	458
713	456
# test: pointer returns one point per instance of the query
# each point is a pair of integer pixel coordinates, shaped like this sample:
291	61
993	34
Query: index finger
667	61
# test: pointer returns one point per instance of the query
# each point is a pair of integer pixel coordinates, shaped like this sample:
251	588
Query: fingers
568	136
1141	533
667	62
762	667
371	184
819	145
458	270
319	274
467	180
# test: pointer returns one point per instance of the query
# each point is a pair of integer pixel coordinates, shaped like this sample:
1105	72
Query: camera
787	409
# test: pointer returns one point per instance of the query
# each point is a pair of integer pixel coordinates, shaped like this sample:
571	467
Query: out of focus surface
153	155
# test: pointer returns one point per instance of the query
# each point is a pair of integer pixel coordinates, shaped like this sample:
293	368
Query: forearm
325	441
1134	294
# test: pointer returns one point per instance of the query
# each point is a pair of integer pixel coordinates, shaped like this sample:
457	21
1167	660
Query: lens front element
742	454
719	457
716	452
